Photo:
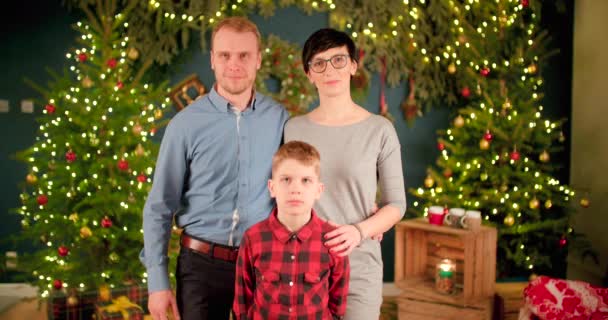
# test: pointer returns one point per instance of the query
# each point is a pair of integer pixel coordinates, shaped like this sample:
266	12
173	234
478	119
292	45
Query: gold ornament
87	82
72	301
137	129
532	68
544	156
585	202
504	188
31	178
85	232
158	113
548	204
509	220
534	203
133	53
452	68
484	144
74	217
459	121
114	257
139	150
131	198
507	104
533	277
429	182
104	293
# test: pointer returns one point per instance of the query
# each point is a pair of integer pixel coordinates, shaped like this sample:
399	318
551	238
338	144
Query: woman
359	150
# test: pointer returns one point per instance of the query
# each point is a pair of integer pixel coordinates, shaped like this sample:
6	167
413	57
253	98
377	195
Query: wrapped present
119	308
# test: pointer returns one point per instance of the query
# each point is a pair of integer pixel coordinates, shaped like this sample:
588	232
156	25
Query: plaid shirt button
289	309
291	283
293	257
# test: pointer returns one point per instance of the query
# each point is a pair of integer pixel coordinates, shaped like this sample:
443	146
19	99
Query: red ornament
57	284
106	222
82	57
485	71
141	178
63	251
440	146
563	242
70	156
447	173
50	108
525	3
465	92
123	165
119	84
515	155
487	136
42	199
111	63
153	130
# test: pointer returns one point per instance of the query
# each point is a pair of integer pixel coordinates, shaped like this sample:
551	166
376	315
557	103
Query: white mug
471	220
453	217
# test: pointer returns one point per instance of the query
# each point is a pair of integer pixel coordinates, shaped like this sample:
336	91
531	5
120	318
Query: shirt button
291	283
289	309
293	237
293	257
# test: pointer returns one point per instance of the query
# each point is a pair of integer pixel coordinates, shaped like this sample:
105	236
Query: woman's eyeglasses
338	62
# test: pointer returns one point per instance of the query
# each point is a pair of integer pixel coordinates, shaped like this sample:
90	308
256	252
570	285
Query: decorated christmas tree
90	166
498	156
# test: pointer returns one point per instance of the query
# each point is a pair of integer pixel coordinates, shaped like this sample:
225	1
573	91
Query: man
211	174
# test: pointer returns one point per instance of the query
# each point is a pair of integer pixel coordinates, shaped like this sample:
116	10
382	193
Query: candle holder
444	276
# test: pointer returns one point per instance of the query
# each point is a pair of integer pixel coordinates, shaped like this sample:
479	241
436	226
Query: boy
284	271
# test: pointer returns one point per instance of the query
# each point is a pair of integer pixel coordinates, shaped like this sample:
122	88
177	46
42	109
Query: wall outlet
11	260
4	106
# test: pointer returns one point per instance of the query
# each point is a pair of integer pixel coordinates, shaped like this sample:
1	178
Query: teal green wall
40	37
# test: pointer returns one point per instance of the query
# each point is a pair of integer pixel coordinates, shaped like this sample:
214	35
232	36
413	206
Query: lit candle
443	277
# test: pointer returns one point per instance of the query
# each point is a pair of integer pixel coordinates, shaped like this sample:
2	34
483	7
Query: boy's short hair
238	24
325	39
300	151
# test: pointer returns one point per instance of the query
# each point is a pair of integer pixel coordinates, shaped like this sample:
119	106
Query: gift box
81	305
119	308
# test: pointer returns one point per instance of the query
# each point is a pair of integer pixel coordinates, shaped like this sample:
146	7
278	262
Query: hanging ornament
57	284
532	68
504	188
87	82
563	242
31	178
137	129
114	257
85	232
72	300
459	121
119	84
111	63
42	199
133	53
562	137
429	182
484	144
447	172
410	106
383	103
104	293
131	198
141	178
465	92
50	108
462	39
106	222
63	251
70	156
515	155
478	89
487	136
544	156
485	71
585	202
548	204
524	3
158	113
509	220
52	165
507	104
73	217
534	203
139	150
440	146
123	165
451	68
153	131
82	57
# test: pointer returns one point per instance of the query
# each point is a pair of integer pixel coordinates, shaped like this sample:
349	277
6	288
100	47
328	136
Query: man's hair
300	151
325	39
238	24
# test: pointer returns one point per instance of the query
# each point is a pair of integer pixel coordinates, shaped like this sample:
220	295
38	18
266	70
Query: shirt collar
221	104
283	235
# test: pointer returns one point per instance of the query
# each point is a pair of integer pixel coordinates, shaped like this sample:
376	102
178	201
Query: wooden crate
419	246
420	301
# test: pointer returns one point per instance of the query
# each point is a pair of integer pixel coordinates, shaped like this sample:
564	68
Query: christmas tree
497	155
91	164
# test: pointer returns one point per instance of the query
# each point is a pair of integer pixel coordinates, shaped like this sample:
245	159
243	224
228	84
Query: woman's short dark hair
325	39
